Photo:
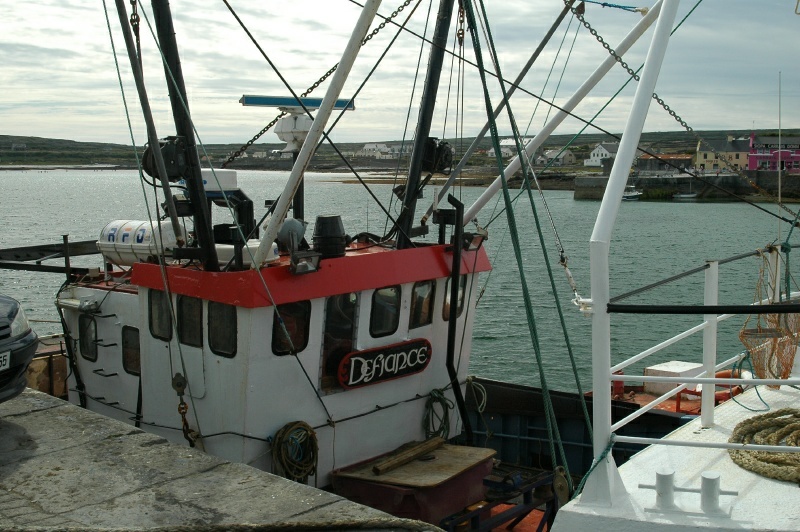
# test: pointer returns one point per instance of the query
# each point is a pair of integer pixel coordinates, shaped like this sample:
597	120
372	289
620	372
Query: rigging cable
294	94
310	89
547	79
563	70
173	321
552	428
590	122
578	14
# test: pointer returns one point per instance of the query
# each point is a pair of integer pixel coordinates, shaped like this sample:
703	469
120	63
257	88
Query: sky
58	77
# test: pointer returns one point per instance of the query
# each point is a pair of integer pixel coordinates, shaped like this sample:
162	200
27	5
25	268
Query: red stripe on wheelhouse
364	269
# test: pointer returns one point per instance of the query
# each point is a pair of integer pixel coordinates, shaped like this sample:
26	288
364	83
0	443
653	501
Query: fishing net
771	339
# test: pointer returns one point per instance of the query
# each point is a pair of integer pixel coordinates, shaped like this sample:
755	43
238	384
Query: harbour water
652	241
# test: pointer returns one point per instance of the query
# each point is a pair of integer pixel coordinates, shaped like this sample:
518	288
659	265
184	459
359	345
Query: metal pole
152	136
559	117
710	297
431	88
183	127
605	484
317	128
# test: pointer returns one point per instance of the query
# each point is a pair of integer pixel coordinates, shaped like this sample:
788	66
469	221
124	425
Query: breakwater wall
708	186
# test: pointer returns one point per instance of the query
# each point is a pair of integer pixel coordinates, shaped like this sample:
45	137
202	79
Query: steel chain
316	84
183	408
135	27
383	24
579	15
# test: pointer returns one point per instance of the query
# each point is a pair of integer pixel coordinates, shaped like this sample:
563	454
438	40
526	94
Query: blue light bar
290	101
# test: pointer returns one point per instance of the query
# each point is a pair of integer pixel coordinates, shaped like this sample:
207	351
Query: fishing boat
685	196
342	360
631	193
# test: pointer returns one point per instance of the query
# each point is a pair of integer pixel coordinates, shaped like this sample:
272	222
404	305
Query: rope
774	428
739	366
595	463
631	9
294	451
432	417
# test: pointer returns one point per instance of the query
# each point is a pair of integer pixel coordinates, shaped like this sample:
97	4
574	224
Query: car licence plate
5	360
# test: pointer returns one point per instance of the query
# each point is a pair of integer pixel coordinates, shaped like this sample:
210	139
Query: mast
183	128
406	219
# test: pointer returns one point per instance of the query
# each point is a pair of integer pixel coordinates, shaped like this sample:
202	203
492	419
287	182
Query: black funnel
329	237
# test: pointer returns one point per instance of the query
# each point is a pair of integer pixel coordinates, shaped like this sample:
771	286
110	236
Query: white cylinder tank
125	242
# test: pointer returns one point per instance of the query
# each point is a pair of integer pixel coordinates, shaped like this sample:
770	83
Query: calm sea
651	241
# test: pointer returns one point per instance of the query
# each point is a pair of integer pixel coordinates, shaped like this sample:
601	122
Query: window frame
413	323
165	303
86	344
376	307
337	345
305	320
127	347
189	312
462	280
214	308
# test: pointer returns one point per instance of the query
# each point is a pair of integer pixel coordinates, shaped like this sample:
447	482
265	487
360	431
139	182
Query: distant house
604	150
374	149
764	154
728	154
508	147
556	158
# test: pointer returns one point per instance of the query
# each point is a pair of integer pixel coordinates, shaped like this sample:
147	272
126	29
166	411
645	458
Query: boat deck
62	466
761	503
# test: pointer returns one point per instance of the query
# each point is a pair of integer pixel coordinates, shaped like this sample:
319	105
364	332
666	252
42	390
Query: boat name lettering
371	366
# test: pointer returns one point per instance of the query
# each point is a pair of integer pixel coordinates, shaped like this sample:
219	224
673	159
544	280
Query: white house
374	149
604	150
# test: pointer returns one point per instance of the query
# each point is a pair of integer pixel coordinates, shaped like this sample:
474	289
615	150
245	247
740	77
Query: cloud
59	76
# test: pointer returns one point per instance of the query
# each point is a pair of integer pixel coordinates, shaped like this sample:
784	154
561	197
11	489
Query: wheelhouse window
222	329
131	355
296	322
385	315
462	284
422	304
339	333
159	315
87	331
190	321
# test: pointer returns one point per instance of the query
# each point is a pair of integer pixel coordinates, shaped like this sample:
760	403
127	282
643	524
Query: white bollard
709	492
665	489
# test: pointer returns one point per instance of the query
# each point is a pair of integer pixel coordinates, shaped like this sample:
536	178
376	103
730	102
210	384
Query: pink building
765	154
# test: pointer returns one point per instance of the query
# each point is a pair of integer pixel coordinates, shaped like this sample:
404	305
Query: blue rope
738	366
607	4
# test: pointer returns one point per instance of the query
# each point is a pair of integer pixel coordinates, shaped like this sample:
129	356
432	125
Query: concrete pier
65	467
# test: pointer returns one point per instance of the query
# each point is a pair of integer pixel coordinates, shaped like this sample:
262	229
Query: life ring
730	391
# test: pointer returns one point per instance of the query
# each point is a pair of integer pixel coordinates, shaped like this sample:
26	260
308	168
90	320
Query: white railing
606	374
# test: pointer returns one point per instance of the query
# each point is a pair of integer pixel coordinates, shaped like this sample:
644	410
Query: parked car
18	344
